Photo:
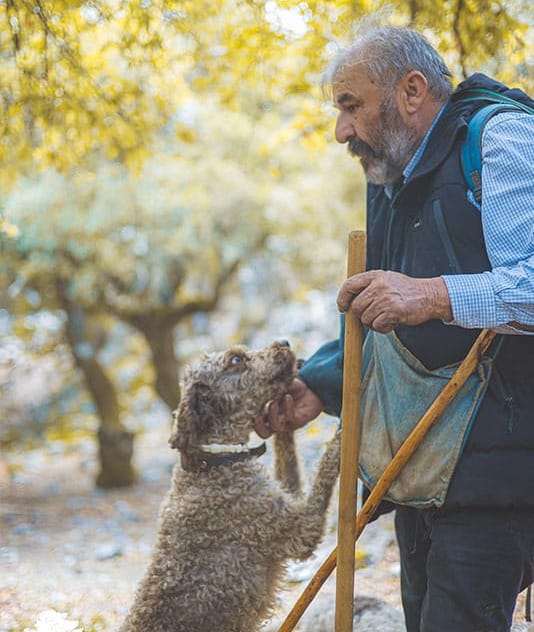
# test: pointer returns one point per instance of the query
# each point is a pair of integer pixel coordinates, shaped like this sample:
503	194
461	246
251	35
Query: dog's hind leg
286	462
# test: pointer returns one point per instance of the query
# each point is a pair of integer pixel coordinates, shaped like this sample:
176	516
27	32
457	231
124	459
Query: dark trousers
461	570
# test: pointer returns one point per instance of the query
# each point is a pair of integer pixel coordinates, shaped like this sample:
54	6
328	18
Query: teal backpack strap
471	153
478	94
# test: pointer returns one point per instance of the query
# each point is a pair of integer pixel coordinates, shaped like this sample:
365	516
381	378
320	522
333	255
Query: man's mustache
357	147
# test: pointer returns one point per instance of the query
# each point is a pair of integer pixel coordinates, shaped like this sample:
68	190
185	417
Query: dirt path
70	547
80	551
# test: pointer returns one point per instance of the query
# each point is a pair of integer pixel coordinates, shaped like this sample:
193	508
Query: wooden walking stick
350	446
400	459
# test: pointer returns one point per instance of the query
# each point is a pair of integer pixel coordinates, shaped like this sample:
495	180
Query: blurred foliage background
170	184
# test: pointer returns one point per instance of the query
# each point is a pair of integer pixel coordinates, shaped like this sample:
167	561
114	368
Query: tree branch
458	36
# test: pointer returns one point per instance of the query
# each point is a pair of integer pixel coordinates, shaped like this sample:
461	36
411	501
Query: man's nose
344	128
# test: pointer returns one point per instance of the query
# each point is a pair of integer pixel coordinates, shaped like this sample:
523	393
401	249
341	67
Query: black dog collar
208	460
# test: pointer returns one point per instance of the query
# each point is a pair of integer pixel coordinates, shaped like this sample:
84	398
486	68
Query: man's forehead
350	83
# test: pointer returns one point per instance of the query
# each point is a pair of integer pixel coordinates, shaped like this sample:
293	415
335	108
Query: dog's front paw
332	453
335	443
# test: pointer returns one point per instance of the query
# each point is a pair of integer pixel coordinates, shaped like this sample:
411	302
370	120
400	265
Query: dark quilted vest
429	229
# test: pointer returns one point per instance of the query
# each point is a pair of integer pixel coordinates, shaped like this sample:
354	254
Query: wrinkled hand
294	410
383	299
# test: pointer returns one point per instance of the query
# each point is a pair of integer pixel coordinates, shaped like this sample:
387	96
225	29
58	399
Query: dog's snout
282	343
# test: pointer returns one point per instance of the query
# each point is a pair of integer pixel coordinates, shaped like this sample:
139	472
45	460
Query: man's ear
412	92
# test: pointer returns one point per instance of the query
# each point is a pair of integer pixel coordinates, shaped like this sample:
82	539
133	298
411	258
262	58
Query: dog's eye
235	361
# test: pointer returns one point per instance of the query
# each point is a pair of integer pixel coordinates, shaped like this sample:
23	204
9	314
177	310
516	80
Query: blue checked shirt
506	292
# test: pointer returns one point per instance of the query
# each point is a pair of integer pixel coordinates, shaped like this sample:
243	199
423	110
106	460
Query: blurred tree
89	246
156	248
103	76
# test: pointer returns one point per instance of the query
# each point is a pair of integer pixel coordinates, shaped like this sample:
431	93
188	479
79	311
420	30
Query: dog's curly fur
226	531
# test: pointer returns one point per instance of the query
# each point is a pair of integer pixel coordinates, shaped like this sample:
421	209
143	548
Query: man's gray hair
388	54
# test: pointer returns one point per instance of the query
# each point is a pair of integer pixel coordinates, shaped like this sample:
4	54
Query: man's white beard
397	145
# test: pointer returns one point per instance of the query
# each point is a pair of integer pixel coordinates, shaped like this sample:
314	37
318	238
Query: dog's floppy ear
191	421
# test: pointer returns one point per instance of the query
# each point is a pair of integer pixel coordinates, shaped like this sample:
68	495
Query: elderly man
439	267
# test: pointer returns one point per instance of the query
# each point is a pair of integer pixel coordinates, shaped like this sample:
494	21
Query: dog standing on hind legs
226	527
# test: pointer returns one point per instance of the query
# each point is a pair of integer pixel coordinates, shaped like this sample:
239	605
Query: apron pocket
397	390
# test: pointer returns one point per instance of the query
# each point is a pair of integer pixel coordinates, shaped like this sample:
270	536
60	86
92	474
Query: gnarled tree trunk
160	338
115	442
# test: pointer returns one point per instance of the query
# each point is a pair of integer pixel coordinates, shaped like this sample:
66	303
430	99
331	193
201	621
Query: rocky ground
68	548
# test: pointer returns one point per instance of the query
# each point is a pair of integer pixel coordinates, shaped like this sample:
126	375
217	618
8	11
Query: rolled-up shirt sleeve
505	293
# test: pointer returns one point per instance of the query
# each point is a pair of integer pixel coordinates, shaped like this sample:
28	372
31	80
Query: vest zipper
384	263
508	398
454	264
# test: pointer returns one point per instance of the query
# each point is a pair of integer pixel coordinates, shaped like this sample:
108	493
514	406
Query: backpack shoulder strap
471	153
484	94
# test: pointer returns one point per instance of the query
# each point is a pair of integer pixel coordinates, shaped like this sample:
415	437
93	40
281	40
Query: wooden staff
400	459
350	446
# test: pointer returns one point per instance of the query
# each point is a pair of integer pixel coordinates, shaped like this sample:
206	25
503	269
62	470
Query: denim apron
397	390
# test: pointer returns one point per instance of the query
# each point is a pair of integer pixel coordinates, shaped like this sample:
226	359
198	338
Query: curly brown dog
227	527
